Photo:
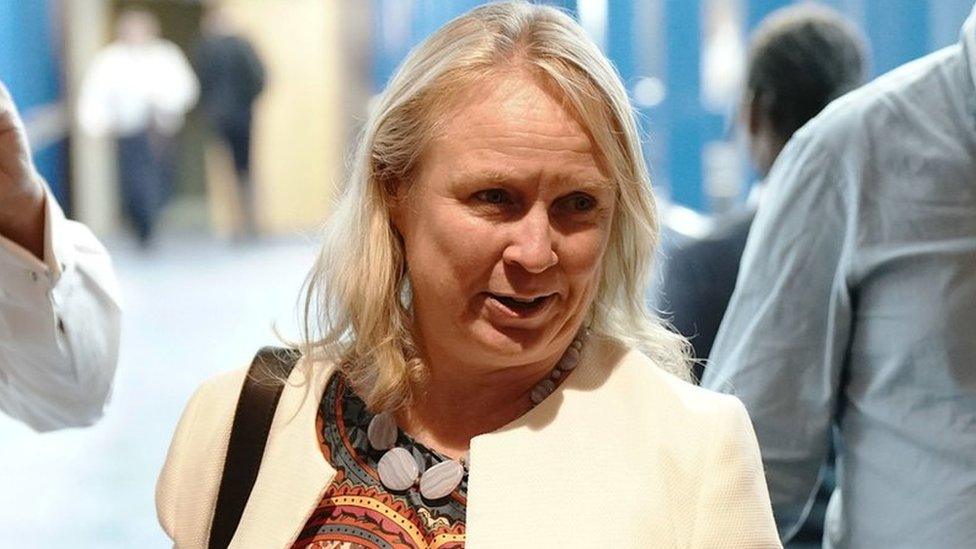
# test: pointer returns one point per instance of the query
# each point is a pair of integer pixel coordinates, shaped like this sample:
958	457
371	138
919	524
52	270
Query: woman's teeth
520	304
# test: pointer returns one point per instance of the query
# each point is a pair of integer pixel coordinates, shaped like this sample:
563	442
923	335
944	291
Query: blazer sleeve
186	491
733	507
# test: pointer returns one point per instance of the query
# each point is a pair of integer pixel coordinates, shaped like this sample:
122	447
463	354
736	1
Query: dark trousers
145	176
236	133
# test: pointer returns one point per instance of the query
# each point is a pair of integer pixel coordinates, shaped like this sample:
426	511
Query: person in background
855	309
59	308
137	90
231	79
801	58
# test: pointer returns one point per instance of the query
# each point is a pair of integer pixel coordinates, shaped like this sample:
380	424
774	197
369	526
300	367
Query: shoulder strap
252	421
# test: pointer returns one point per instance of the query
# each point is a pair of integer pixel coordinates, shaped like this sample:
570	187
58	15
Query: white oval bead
382	431
569	360
549	385
542	390
577	344
441	479
398	470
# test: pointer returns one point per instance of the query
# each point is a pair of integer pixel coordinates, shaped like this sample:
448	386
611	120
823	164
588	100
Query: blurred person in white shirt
59	310
138	90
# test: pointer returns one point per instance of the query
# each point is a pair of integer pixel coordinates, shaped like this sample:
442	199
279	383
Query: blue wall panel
402	24
690	125
945	19
757	10
662	39
30	65
898	31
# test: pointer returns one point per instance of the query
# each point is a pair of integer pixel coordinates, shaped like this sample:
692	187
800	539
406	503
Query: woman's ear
395	204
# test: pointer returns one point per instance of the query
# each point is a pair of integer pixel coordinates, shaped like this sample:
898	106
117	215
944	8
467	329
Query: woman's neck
461	401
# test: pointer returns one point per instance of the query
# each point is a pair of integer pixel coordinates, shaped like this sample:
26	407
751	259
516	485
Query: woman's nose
531	244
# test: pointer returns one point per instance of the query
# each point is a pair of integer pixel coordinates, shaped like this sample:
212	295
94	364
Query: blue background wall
30	65
644	38
399	25
663	39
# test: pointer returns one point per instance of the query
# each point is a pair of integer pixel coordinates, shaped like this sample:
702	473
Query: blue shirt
855	309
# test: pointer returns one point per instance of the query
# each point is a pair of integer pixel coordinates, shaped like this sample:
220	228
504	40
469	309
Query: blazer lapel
521	474
294	473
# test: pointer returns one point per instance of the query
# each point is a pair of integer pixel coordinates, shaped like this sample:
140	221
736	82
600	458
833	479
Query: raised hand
21	190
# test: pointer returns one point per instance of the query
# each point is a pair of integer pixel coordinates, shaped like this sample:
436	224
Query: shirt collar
967	40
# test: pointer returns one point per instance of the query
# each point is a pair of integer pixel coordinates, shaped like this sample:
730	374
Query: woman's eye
580	203
493	196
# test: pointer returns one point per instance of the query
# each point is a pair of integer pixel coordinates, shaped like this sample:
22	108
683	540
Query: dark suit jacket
698	279
231	78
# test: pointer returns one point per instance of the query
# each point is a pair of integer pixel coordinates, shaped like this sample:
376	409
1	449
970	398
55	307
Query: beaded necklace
398	469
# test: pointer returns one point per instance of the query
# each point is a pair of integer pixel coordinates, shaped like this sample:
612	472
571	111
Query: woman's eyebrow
482	177
497	177
597	184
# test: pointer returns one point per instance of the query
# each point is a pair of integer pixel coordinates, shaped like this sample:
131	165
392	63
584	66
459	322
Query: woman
477	374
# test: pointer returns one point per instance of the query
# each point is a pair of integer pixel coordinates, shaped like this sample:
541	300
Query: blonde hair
357	296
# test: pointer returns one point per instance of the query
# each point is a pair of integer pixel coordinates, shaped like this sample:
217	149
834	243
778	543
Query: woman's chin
506	341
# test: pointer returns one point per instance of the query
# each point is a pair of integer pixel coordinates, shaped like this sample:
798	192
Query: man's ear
751	113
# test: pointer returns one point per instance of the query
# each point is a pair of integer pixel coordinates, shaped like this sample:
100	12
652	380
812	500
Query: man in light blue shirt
855	309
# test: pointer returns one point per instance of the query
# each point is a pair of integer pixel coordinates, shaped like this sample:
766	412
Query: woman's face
505	227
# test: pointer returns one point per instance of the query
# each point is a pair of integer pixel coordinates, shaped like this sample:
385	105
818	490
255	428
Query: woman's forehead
514	117
517	87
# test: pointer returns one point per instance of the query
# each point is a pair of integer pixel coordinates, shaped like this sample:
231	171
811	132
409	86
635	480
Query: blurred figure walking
138	90
231	79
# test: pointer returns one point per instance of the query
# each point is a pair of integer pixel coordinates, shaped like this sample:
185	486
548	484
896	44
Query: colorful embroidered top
357	510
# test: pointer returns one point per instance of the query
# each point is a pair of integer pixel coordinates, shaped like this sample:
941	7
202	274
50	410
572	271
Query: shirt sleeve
59	327
785	334
178	88
95	113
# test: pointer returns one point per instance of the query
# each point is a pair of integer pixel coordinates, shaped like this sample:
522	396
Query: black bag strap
248	436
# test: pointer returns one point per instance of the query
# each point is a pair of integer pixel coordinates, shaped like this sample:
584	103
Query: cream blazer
620	455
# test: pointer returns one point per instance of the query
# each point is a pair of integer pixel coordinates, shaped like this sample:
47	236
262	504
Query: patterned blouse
357	510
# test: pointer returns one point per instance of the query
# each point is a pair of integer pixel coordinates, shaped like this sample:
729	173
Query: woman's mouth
519	307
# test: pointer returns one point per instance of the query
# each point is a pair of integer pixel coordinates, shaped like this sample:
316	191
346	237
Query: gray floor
193	307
